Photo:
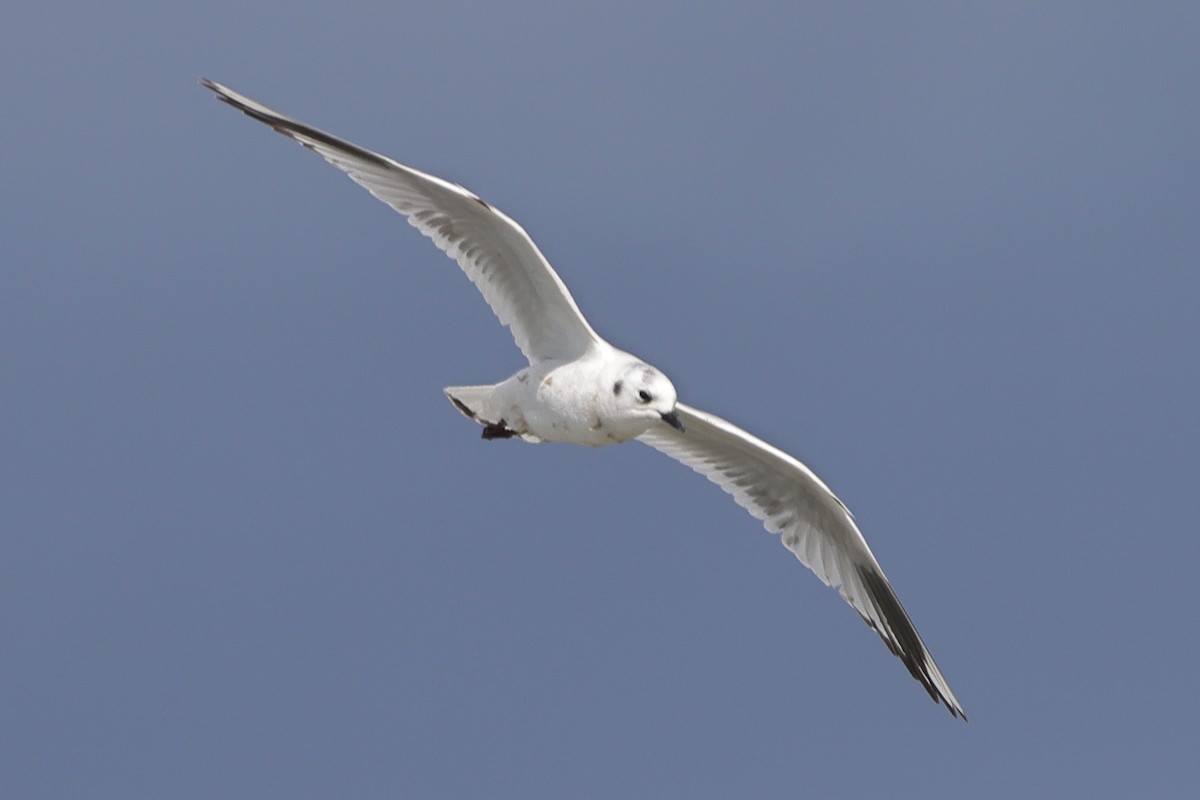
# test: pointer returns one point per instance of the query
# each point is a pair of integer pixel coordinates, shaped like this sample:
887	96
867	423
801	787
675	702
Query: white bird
580	389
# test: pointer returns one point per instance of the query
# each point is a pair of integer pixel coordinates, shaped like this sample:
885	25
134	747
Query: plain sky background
945	253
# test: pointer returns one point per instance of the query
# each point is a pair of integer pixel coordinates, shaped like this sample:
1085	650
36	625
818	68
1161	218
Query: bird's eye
644	396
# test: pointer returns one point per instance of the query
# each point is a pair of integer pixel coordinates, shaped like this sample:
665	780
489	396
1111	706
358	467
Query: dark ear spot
617	387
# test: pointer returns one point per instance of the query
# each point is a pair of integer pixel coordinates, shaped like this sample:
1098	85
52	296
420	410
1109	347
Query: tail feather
470	400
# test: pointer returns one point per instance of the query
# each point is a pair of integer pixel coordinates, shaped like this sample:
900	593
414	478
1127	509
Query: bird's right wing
792	501
498	256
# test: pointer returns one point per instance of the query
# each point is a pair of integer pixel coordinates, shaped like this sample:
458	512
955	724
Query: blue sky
944	253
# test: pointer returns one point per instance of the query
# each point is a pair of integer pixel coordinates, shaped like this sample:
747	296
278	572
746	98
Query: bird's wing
498	256
792	501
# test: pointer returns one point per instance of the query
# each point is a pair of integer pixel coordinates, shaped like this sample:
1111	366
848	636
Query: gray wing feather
792	501
494	251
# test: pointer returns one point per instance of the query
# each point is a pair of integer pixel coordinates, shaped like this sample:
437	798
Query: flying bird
580	389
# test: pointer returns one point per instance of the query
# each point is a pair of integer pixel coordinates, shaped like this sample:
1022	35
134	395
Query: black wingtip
906	643
225	96
293	129
215	88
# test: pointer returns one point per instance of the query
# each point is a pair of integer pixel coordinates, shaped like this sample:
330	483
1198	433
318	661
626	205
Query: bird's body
579	389
581	401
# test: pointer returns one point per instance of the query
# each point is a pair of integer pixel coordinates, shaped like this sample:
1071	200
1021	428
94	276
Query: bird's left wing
498	256
792	501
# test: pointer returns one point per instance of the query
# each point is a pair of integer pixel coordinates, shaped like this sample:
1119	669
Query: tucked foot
498	430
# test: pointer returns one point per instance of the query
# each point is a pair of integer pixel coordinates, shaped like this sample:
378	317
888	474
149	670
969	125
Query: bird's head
639	391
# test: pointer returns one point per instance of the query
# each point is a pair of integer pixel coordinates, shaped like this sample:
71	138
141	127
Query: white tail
470	400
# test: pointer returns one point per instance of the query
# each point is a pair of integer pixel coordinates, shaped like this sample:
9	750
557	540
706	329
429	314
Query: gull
580	389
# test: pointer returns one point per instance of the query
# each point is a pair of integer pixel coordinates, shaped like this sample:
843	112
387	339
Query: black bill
672	419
